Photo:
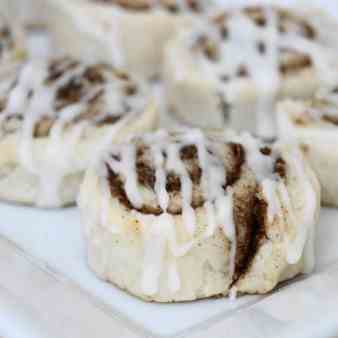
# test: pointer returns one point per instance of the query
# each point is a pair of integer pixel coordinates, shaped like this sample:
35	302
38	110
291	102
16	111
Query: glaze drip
57	104
12	50
172	6
138	173
176	171
276	43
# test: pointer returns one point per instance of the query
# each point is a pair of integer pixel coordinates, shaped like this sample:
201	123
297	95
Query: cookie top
60	113
11	48
64	91
171	6
255	55
179	159
170	175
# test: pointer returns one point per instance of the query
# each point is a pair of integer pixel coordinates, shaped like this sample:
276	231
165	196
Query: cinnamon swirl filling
290	60
172	6
72	108
101	95
192	173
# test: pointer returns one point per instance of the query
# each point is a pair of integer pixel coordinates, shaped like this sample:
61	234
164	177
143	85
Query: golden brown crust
234	155
249	207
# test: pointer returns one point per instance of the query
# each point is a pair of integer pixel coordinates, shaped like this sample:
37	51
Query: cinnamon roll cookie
129	34
233	69
55	117
314	125
12	46
28	13
183	216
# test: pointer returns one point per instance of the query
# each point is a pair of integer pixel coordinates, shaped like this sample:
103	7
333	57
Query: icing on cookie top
323	108
172	6
263	45
101	94
232	179
60	102
185	178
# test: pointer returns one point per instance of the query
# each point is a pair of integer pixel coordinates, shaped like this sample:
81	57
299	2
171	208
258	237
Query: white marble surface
55	239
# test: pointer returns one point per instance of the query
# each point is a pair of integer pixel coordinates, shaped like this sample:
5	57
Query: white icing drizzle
175	164
241	49
301	244
154	252
269	191
161	177
161	247
165	152
225	211
159	236
213	179
127	168
263	168
260	164
34	99
275	192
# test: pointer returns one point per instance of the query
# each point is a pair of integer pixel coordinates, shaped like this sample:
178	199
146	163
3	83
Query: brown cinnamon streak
146	177
249	211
